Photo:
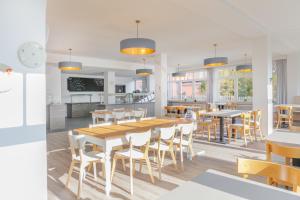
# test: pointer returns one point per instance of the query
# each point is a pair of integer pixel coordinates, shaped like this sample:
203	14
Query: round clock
31	54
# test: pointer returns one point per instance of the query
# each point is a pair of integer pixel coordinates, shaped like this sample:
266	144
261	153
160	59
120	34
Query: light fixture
178	74
215	61
70	65
246	68
143	71
137	46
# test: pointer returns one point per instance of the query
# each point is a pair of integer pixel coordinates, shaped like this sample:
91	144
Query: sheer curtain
279	67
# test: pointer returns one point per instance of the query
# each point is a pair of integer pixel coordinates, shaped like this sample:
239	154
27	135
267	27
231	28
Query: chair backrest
139	113
76	143
246	119
99	125
167	133
138	139
282	150
287	110
145	111
118	115
257	116
126	121
186	129
285	174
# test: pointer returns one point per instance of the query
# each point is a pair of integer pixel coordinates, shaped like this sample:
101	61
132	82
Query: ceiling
185	30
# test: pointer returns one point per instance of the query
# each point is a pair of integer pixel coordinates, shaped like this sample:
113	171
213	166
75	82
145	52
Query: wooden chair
185	140
207	123
294	128
139	114
163	144
243	128
274	172
288	152
256	124
147	118
133	153
118	115
284	115
84	159
170	111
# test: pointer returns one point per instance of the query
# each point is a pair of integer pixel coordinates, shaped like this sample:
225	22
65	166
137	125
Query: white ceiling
184	29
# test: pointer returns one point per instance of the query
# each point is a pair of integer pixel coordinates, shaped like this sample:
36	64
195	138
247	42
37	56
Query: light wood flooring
209	155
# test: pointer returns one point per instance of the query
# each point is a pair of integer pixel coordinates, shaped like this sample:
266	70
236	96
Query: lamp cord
137	28
70	54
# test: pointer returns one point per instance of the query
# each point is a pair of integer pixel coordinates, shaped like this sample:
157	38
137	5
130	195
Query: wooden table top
226	113
284	137
105	112
119	130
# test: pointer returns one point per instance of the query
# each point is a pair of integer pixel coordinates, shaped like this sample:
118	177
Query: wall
293	74
23	168
53	82
65	94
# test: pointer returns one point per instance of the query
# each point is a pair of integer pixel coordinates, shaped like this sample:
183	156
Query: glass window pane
244	89
200	90
139	85
226	89
187	89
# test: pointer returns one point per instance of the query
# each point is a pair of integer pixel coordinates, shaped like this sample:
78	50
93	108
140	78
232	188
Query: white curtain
279	66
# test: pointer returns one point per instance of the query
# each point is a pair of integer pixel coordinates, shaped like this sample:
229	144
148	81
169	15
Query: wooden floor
208	156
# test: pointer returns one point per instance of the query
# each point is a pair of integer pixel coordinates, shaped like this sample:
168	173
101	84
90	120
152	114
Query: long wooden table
114	135
285	137
215	185
222	115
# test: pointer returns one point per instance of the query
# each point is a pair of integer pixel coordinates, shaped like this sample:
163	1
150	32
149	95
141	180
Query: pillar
109	87
262	81
161	81
293	74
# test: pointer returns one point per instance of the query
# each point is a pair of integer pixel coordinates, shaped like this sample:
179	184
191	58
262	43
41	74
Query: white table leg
94	119
107	150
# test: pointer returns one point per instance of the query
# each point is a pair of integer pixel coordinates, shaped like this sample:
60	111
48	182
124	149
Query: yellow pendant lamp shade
215	61
244	68
137	46
70	65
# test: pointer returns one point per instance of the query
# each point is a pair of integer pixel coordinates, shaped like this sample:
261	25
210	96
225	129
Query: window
244	89
233	85
139	85
191	87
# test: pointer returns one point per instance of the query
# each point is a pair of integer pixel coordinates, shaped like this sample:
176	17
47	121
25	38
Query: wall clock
32	54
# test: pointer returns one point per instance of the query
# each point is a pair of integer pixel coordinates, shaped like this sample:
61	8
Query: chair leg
103	170
229	134
95	171
113	169
131	175
141	165
208	132
133	167
163	158
70	173
81	175
191	150
123	164
245	138
215	131
173	158
149	169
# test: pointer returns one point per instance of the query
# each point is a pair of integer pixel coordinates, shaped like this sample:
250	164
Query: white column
109	87
161	81
262	84
293	74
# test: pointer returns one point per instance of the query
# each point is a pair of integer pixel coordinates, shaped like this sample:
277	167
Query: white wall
53	80
23	168
65	94
293	76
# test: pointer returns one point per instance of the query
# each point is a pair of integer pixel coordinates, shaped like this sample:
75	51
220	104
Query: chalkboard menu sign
76	84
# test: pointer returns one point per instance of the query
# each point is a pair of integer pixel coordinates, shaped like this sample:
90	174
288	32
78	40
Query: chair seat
238	126
92	156
252	122
163	146
184	142
283	116
136	153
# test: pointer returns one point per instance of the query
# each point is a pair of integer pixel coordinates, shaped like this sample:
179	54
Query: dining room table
216	185
222	114
115	135
285	137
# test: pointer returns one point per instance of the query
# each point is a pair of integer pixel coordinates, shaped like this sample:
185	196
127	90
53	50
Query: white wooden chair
185	140
163	144
139	113
134	153
145	111
126	121
83	158
147	118
119	115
